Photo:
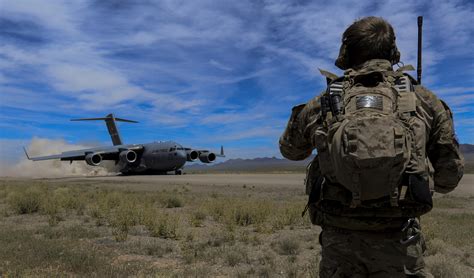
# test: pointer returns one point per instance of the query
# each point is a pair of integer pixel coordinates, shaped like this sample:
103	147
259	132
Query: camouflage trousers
370	254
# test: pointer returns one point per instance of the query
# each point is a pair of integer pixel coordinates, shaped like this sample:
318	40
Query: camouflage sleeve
295	143
443	148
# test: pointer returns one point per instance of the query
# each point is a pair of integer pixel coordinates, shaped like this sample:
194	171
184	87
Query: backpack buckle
411	231
355	200
394	197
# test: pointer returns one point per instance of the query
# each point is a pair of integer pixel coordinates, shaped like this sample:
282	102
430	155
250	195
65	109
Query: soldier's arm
295	143
443	148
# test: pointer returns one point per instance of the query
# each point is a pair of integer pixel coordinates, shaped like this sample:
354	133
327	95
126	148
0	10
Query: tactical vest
371	147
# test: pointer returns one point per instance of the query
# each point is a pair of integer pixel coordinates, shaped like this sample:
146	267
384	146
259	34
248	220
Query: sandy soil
219	182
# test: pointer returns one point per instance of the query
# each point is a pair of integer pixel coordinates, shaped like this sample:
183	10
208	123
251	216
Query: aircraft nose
181	155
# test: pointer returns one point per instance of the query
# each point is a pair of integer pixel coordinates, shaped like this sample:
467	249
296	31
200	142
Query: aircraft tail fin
222	152
111	126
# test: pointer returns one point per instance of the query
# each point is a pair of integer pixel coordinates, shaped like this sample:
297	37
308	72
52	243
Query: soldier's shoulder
425	92
428	98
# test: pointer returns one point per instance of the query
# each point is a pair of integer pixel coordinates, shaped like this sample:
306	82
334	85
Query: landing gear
178	172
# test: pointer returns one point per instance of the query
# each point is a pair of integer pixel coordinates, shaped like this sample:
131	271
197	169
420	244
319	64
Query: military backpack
370	142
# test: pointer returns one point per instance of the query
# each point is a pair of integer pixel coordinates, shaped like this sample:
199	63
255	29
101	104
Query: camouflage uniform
361	246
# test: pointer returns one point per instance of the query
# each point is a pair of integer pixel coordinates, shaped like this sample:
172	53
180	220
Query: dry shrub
196	271
70	199
288	214
163	225
444	266
239	212
121	220
197	218
221	237
150	246
236	255
287	246
173	202
435	246
51	207
27	201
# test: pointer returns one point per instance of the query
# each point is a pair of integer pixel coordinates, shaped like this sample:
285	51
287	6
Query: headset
342	60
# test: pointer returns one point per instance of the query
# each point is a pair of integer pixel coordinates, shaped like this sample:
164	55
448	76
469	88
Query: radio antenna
420	33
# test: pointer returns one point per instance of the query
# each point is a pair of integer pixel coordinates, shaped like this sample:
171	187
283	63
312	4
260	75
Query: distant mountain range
273	164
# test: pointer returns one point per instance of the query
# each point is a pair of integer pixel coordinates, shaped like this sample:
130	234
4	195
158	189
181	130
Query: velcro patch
375	102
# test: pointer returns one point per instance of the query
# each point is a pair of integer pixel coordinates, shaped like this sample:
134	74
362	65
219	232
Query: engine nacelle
93	159
128	156
192	155
207	157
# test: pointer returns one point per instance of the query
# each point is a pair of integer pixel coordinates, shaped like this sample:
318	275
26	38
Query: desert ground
238	225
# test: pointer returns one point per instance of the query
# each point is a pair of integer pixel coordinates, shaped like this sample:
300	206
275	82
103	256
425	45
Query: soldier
384	143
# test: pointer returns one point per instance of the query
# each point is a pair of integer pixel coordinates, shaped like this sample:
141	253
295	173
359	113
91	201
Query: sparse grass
287	246
445	267
235	256
49	229
197	218
456	229
71	232
37	253
151	247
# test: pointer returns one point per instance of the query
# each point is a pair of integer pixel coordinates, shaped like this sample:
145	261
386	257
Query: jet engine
93	159
207	157
192	155
128	156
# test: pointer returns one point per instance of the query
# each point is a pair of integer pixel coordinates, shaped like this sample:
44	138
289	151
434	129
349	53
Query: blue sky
203	73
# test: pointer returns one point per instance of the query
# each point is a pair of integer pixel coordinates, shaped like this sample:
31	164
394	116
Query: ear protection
342	60
394	53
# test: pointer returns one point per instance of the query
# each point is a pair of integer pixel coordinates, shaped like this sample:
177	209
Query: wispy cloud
203	70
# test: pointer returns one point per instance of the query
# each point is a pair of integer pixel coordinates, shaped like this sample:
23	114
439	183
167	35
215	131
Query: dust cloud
55	167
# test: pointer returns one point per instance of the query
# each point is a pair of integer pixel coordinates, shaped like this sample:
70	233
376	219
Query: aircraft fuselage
157	157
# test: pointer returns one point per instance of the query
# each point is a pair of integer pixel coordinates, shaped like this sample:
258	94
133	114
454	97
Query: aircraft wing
107	153
221	154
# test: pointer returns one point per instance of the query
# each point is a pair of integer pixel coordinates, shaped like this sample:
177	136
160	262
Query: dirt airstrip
216	182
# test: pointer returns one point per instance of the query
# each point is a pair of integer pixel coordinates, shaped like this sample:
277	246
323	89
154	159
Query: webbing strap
356	195
406	97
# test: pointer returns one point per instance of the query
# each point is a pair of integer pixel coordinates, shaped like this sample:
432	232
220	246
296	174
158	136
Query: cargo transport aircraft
150	158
